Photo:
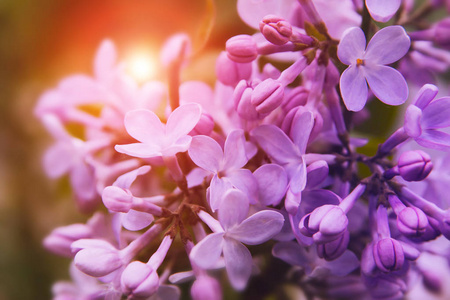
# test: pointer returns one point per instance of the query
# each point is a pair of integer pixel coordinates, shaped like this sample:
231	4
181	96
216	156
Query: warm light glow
142	66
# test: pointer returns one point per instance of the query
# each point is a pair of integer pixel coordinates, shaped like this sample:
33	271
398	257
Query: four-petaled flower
368	64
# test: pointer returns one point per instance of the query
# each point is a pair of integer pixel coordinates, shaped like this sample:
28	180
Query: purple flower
425	116
288	153
226	165
368	64
233	230
136	213
157	139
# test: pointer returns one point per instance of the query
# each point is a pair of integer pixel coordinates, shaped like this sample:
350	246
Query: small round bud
139	280
241	49
267	96
275	29
242	101
334	249
388	255
326	223
96	258
204	126
412	222
414	165
230	72
117	199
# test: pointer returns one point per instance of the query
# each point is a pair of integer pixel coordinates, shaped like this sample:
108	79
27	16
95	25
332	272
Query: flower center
359	62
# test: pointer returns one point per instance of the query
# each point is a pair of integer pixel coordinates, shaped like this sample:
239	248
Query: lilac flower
287	153
136	213
314	266
382	10
368	64
233	230
425	116
226	165
157	139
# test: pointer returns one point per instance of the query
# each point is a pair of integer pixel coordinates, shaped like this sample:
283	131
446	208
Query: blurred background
40	43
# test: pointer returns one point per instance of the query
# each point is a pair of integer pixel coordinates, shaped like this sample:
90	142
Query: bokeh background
40	43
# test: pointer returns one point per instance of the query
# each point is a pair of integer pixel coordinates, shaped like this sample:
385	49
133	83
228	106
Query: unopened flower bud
275	29
204	126
412	222
206	288
296	97
117	199
242	101
139	280
230	72
267	96
96	258
326	223
334	249
414	165
241	48
388	255
61	238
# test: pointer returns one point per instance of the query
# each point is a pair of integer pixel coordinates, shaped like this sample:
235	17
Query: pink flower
157	139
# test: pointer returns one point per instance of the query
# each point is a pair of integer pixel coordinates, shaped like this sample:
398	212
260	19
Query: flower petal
343	265
258	228
145	126
139	150
276	144
59	159
218	188
437	114
136	220
387	84
425	95
292	253
412	124
301	129
353	88
244	181
434	139
382	10
206	153
298	180
238	262
233	209
207	252
105	60
387	45
272	183
252	12
352	46
124	181
182	120
180	145
234	151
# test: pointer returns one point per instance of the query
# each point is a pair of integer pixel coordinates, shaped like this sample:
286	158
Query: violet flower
233	230
226	165
368	64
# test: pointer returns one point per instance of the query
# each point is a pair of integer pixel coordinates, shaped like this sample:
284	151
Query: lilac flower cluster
194	178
